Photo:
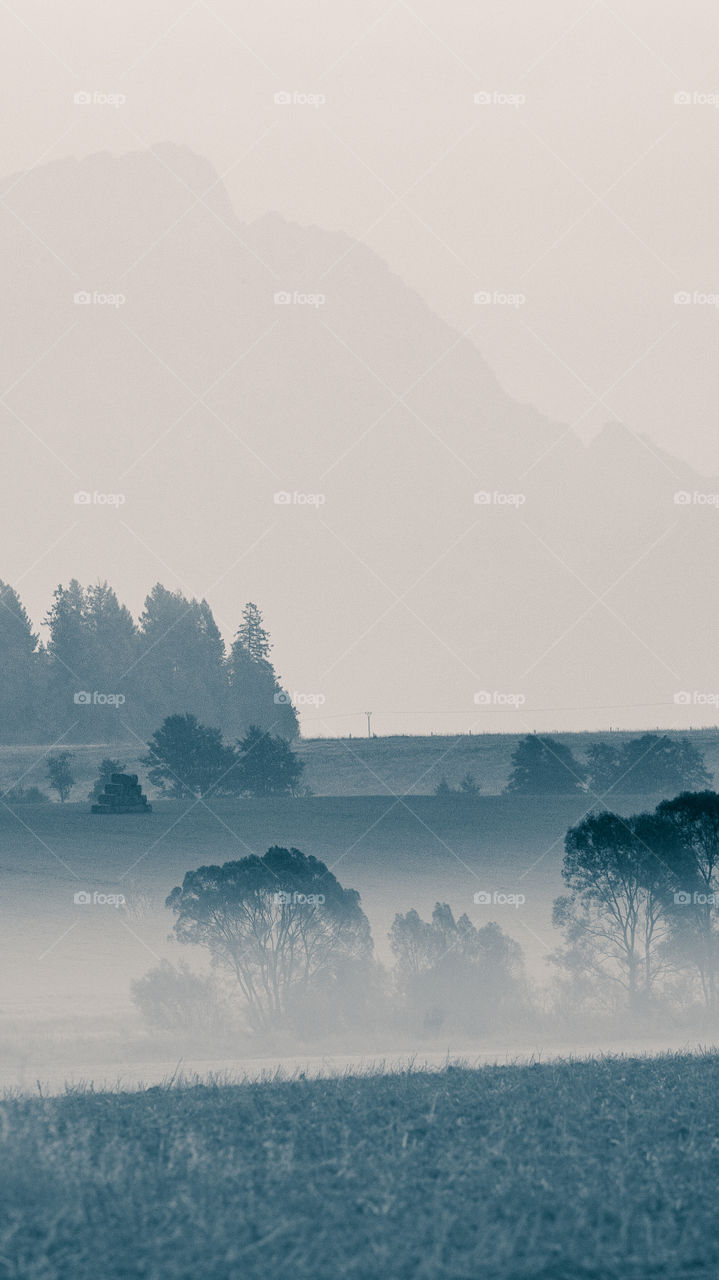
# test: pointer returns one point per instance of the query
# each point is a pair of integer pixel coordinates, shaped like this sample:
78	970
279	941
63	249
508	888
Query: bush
451	975
26	795
174	998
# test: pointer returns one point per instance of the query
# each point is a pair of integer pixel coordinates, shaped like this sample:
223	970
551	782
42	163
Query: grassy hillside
602	1169
355	766
351	766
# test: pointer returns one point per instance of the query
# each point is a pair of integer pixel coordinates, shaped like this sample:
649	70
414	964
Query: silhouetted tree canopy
693	818
267	765
449	970
650	764
187	758
251	634
621	874
102	677
108	766
279	924
420	945
544	766
20	665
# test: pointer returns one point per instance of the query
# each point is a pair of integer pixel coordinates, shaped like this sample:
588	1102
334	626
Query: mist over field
86	920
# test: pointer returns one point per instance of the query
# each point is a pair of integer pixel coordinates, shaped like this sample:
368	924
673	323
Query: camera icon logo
82	698
682	299
82	498
282	98
282	498
82	898
682	98
483	899
82	98
82	298
682	898
282	699
682	498
482	698
282	299
683	698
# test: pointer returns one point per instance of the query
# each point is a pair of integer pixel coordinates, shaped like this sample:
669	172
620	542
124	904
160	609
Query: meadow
603	1169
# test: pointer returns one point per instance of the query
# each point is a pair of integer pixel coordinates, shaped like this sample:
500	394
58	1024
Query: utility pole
369	723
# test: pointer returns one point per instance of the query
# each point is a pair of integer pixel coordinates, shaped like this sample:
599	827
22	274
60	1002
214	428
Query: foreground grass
604	1169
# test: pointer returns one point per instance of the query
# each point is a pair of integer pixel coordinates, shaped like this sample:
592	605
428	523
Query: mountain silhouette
201	394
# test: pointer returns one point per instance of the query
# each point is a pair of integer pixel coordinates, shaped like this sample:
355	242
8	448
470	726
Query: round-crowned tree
267	766
545	766
279	924
187	758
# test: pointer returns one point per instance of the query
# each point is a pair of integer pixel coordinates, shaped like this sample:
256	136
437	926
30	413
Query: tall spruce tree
252	635
21	666
255	694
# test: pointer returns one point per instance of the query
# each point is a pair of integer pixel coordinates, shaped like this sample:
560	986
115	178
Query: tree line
651	764
187	759
101	676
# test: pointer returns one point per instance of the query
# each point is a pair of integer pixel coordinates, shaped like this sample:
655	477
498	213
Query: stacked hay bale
122	794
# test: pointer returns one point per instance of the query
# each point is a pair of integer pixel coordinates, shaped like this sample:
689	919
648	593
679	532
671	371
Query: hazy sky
559	160
596	197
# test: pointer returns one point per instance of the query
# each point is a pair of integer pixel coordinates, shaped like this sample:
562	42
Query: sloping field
597	1170
350	766
354	766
